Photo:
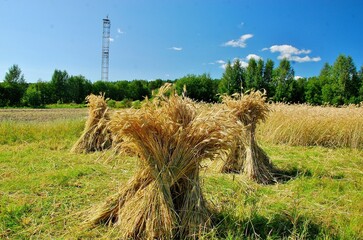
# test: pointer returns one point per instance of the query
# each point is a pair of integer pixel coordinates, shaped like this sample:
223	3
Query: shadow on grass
285	175
279	226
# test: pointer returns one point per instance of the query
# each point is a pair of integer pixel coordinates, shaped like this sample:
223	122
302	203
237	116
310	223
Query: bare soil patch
42	115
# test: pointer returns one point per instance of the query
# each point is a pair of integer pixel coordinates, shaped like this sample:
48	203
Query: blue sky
169	39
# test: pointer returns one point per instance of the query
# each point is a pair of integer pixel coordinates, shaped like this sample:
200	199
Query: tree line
337	84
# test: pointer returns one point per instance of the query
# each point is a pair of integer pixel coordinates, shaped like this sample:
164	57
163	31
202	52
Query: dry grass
245	155
164	199
96	135
304	125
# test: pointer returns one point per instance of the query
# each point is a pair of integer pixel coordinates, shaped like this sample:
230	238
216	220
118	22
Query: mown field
46	192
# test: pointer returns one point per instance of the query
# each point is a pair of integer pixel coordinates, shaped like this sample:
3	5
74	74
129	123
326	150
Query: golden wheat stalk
164	200
96	136
305	125
245	155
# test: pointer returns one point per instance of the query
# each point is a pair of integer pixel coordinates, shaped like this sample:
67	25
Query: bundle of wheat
164	199
236	155
245	155
96	136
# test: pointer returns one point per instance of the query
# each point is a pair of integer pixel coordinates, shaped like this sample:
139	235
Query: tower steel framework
105	48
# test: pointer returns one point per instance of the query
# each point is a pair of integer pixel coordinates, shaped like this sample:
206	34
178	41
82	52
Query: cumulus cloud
256	57
292	53
288	50
298	77
243	61
176	48
241	42
223	64
305	59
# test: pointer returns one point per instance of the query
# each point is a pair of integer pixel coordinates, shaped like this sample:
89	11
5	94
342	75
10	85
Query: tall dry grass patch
164	199
304	125
96	136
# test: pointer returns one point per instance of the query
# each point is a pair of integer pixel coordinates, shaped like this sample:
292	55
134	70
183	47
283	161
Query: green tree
108	88
259	83
138	90
268	78
239	79
325	74
298	88
254	74
283	79
224	86
46	91
123	90
233	79
78	88
251	73
32	96
199	88
326	83
14	85
340	81
360	79
155	84
3	96
344	75
59	85
313	91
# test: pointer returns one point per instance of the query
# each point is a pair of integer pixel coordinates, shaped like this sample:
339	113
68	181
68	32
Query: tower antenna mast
105	48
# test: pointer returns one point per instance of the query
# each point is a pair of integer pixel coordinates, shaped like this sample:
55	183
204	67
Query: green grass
46	192
66	105
322	200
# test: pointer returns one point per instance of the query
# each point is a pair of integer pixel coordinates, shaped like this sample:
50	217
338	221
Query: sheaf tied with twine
164	199
96	135
245	155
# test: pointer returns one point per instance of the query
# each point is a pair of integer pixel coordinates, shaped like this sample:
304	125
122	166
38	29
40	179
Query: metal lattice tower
105	48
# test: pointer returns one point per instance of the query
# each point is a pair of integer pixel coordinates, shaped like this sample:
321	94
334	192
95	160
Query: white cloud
176	48
112	39
298	77
223	64
305	59
288	50
119	31
241	42
256	57
243	61
292	53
